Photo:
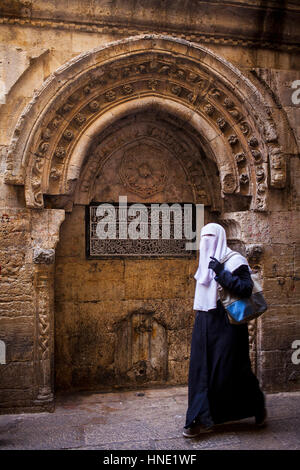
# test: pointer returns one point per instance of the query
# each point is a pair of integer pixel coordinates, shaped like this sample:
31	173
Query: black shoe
261	417
196	430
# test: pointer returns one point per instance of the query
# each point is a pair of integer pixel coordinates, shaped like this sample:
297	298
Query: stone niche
127	322
141	353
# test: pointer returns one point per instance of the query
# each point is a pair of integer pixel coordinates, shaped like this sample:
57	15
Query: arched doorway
210	107
124	318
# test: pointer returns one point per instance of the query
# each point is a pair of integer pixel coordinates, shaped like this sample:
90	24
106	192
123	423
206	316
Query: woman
222	386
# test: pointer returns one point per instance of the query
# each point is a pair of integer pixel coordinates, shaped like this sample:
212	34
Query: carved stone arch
194	83
148	123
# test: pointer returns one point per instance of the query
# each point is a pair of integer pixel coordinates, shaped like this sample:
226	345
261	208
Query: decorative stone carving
152	84
278	168
228	103
232	139
235	114
80	119
240	158
253	142
43	261
43	147
56	122
215	93
127	89
228	183
252	334
245	128
66	108
176	90
143	170
60	152
244	178
55	174
68	135
44	335
46	134
254	252
181	147
110	95
261	188
94	106
143	67
256	155
221	123
42	256
260	174
209	109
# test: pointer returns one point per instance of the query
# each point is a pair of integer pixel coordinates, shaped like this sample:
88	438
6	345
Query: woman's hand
215	265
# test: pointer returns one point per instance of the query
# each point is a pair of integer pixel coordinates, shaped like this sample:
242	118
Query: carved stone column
44	280
45	234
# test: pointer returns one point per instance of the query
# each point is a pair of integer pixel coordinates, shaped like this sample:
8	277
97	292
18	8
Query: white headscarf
206	293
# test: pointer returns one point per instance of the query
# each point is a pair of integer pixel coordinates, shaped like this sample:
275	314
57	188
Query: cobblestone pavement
145	419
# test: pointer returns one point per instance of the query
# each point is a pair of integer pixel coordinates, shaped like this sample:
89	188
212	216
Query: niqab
215	244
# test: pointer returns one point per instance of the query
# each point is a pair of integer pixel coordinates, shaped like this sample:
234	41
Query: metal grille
162	237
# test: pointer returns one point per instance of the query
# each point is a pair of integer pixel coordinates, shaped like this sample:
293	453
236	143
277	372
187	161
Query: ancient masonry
91	110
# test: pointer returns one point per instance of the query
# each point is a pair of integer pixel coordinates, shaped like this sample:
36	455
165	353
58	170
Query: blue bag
243	310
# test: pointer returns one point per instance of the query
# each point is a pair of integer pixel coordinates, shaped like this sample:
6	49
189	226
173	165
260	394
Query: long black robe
222	386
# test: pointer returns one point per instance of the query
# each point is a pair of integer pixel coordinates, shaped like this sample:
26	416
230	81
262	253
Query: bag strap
226	257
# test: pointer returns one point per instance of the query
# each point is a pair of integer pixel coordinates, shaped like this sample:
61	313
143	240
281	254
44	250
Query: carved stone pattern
160	68
187	156
43	309
123	30
144	174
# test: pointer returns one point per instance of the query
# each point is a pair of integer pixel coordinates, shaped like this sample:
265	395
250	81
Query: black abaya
222	386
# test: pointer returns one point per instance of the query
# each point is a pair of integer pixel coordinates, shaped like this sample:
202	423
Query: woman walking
222	386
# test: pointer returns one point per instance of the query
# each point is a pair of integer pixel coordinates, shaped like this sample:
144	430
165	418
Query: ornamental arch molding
202	90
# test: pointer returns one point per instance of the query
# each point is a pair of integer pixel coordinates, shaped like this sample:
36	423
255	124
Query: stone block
17	308
277	372
285	227
279	327
281	290
169	279
13	398
278	260
178	372
179	345
18	335
17	375
297	261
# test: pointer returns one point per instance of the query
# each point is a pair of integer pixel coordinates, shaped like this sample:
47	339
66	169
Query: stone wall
37	40
122	321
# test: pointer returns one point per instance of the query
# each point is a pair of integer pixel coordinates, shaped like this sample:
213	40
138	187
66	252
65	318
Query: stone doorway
126	321
213	120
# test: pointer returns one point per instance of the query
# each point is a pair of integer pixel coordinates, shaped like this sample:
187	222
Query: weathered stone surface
42	256
272	334
23	370
279	260
278	370
13	399
19	338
